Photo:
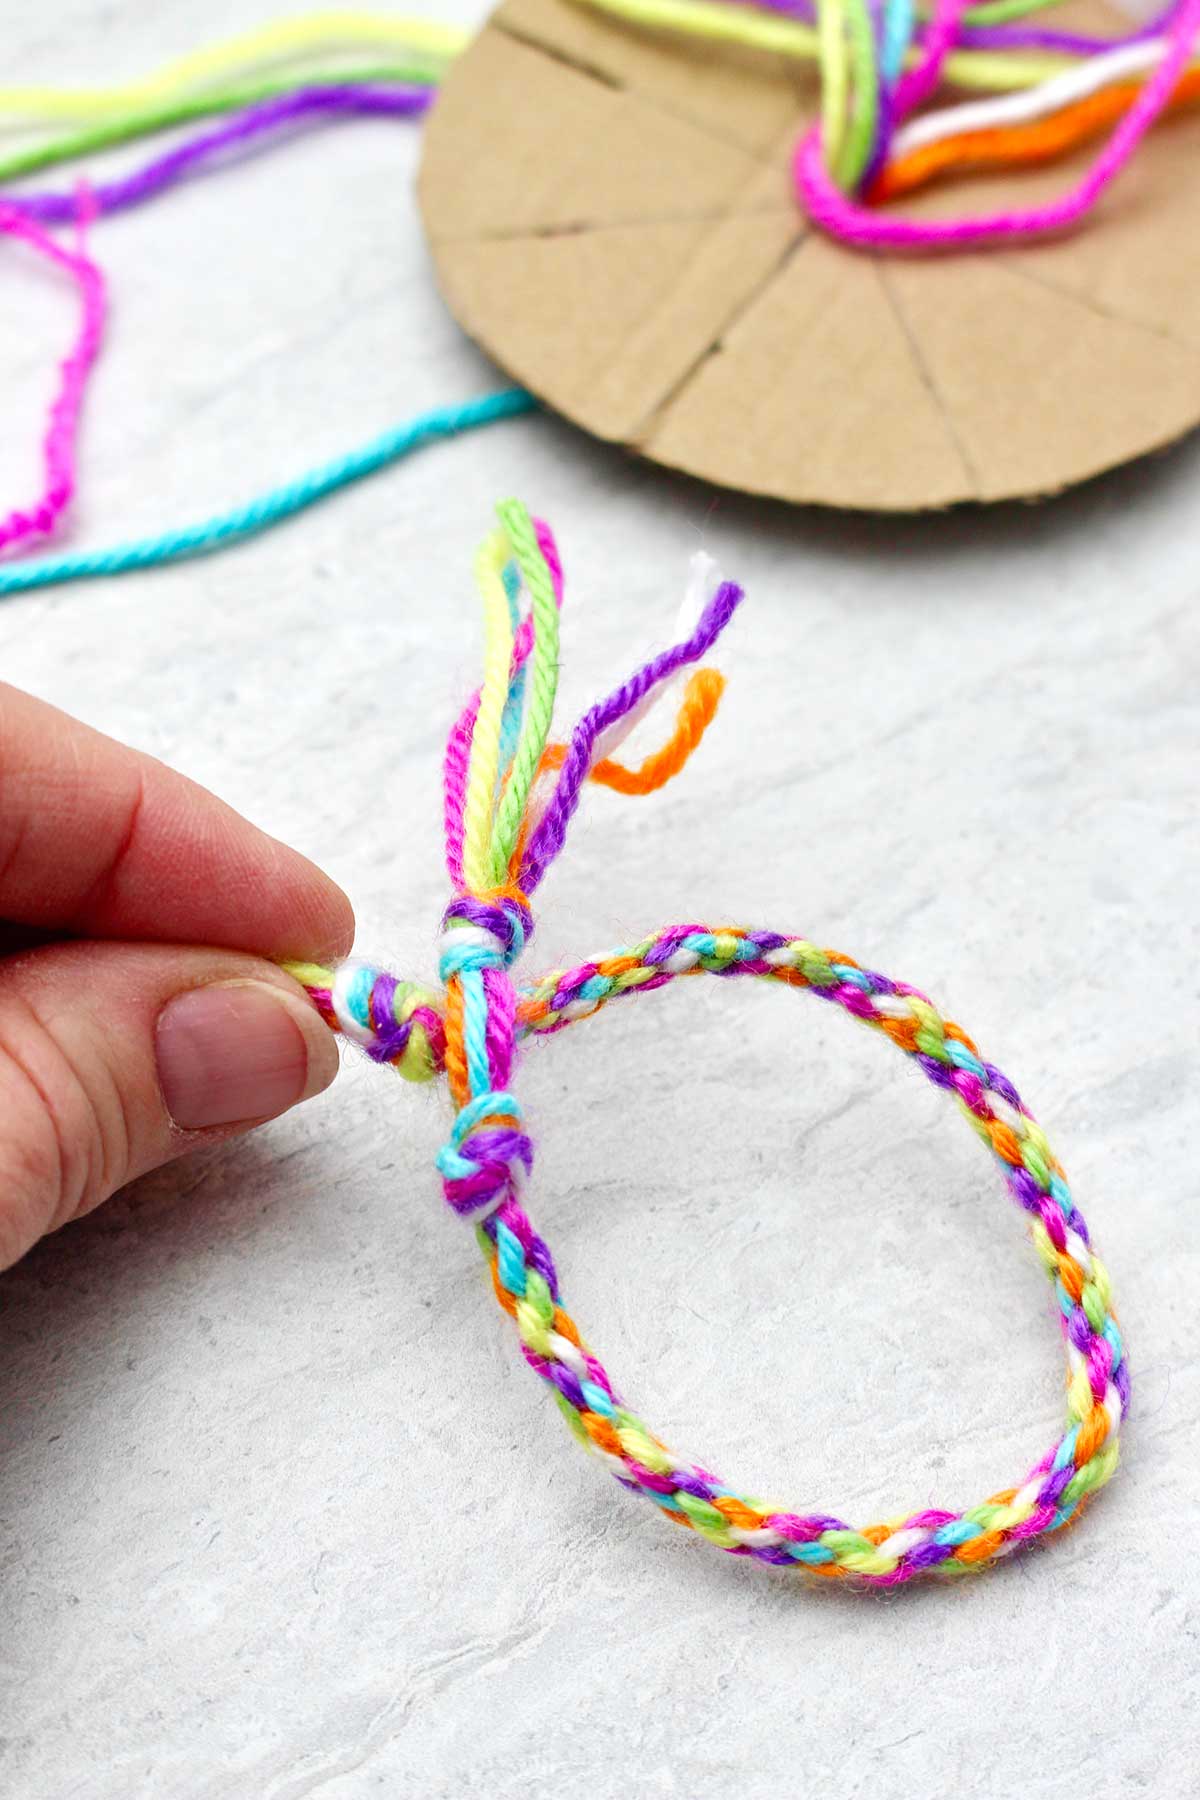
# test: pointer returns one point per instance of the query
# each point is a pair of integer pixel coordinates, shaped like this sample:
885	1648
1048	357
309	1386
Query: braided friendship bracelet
510	795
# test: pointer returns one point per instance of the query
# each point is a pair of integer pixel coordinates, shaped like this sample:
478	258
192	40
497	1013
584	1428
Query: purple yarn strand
551	832
306	106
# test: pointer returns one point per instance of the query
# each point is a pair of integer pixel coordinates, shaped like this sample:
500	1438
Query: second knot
487	932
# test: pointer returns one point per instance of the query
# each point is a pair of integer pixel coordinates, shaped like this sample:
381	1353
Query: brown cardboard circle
610	216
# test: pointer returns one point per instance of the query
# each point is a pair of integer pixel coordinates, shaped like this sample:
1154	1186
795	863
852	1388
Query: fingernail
239	1051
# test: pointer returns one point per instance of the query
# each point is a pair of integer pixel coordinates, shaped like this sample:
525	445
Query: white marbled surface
281	1511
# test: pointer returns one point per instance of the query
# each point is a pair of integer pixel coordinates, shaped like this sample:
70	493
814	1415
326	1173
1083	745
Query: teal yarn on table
273	507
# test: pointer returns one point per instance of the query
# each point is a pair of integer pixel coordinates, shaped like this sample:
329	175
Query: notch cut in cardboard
611	218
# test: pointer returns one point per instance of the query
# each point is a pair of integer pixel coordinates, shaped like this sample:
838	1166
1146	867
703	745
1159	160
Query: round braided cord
468	1029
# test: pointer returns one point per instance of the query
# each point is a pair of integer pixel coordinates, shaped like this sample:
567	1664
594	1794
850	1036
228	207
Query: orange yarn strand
1004	146
697	711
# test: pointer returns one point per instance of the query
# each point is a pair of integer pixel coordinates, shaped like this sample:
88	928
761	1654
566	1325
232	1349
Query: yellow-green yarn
985	69
284	40
484	767
543	681
835	80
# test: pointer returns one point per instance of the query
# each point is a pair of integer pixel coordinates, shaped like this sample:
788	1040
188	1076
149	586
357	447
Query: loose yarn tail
509	796
62	425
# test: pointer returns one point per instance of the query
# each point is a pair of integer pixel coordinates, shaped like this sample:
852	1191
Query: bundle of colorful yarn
879	60
882	60
510	796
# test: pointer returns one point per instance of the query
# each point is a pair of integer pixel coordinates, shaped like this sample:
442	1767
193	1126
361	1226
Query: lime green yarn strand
531	1329
719	24
637	1442
484	766
1093	1475
999	12
574	1424
127	127
835	81
977	69
538	1296
543	681
860	139
313	975
1102	1282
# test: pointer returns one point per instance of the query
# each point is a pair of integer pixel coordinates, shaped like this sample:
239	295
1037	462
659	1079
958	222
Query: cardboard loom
611	217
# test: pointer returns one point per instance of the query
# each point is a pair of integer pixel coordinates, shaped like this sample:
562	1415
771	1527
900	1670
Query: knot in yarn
484	932
487	1157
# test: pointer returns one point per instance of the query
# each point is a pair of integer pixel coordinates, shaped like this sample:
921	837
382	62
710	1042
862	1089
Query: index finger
98	840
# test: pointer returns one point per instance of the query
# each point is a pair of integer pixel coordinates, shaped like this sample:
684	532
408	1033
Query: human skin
142	1011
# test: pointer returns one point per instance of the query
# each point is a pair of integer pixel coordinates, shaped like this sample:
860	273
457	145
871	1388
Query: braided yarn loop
497	850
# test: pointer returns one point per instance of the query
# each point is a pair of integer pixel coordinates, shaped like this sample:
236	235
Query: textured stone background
282	1512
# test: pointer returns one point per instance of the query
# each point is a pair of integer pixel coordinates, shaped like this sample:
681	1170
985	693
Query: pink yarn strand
920	82
454	786
549	549
62	425
458	744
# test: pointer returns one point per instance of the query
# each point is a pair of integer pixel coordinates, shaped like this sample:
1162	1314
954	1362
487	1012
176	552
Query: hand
123	1044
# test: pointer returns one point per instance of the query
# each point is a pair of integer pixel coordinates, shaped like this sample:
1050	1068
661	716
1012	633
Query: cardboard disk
611	218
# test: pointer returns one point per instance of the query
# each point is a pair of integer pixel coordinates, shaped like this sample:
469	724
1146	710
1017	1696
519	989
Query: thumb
115	1058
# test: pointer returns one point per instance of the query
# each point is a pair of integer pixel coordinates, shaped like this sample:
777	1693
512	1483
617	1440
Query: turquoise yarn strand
275	506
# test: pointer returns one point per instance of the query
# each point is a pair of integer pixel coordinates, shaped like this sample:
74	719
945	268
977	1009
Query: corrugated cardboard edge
610	218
